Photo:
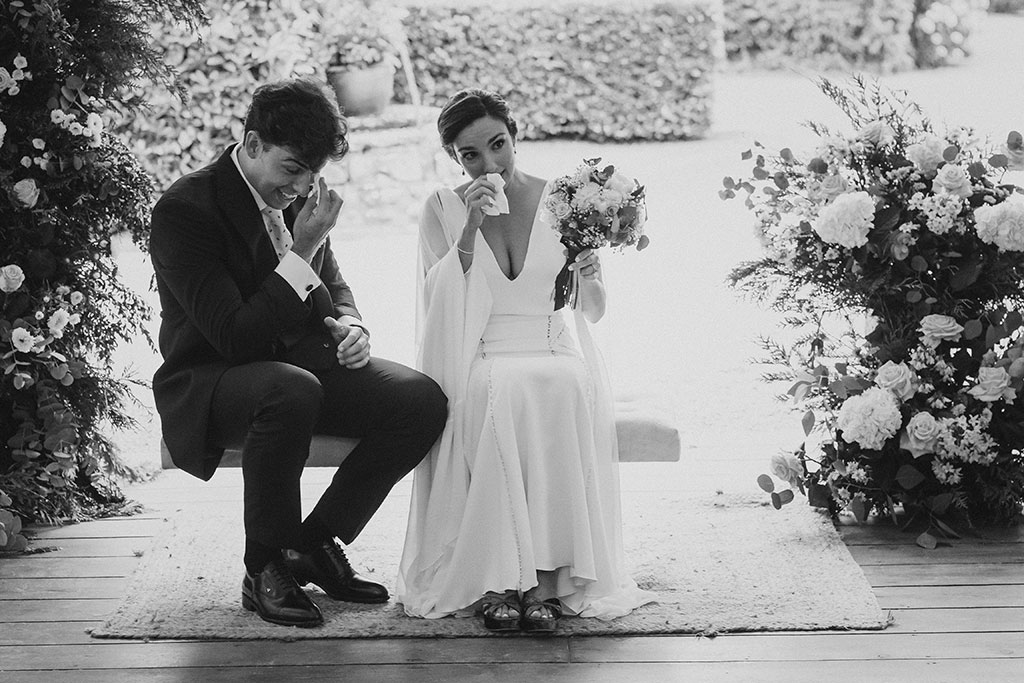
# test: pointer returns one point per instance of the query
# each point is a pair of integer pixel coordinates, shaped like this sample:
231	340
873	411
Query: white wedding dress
521	489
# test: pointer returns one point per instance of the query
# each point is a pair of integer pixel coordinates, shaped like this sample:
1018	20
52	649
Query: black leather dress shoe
328	568
275	596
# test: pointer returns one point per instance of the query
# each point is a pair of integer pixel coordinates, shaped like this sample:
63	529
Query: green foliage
871	35
66	185
245	44
589	70
942	30
846	35
365	33
1006	6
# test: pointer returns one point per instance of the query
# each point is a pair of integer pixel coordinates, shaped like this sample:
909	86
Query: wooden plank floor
958	615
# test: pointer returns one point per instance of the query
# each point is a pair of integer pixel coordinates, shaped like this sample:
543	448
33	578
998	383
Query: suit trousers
272	409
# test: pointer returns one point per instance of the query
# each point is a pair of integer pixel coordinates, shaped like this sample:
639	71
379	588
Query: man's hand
316	218
353	343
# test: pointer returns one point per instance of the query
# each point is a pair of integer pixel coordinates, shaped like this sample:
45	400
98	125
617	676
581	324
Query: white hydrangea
1002	225
870	419
847	220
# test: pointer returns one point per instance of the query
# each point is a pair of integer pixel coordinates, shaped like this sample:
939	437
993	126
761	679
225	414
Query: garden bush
871	35
590	70
942	30
1006	6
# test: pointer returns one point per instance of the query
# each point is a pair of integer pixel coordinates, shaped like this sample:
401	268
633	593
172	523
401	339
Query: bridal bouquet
897	255
592	208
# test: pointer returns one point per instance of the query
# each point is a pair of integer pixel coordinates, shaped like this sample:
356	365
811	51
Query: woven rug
718	564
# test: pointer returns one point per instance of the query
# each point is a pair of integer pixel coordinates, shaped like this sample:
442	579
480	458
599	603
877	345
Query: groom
263	346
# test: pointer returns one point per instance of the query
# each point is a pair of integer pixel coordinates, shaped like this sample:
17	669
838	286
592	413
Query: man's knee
425	402
290	393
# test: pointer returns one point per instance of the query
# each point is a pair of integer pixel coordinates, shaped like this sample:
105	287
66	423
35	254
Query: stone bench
646	433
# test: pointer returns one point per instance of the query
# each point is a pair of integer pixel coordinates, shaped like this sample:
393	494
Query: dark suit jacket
223	305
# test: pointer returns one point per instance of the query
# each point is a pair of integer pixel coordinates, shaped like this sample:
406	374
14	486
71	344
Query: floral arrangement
363	33
897	254
592	208
66	185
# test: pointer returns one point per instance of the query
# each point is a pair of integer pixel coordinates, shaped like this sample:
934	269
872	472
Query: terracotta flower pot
362	92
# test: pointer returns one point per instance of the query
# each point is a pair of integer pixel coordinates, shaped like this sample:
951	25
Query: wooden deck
958	616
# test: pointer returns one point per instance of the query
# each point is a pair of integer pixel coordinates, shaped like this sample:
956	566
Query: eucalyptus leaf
927	541
766	483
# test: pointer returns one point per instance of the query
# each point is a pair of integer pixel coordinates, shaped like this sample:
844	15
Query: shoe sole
251	605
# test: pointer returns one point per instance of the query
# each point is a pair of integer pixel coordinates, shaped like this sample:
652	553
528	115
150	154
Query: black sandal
492	606
540	616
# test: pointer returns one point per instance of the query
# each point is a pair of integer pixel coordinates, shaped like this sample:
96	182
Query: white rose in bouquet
927	154
993	384
921	435
953	179
620	183
847	220
1001	225
870	419
11	278
897	378
937	327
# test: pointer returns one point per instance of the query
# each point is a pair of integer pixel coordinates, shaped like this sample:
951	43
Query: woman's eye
499	144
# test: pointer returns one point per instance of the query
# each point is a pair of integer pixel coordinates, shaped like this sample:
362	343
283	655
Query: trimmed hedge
871	35
591	70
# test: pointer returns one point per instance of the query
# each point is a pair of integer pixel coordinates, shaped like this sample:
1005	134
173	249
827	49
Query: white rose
937	327
953	179
1002	225
897	378
847	220
3	133
76	298
921	435
993	384
787	467
833	185
5	78
11	277
877	133
93	122
26	192
20	62
869	419
607	200
74	319
22	339
927	154
58	321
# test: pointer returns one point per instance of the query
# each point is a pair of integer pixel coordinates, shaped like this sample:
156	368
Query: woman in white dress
515	512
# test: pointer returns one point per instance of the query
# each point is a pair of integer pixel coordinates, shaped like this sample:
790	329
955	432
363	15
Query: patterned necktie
279	234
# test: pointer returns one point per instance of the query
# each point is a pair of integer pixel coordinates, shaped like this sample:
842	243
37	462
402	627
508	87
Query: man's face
277	173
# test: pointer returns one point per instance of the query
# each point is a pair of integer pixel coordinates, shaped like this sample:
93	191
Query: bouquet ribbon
567	282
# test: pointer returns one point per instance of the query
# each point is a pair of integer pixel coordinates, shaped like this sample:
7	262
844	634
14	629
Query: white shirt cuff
297	273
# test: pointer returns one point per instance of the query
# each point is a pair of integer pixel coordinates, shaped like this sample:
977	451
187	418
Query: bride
515	512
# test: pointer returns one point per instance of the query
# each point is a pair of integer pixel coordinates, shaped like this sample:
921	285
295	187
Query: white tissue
500	204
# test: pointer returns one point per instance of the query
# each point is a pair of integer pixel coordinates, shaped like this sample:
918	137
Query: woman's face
485	146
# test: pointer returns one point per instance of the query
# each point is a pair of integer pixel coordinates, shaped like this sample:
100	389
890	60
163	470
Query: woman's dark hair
302	115
467	106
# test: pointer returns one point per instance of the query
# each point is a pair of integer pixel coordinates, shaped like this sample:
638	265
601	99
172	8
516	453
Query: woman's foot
501	611
540	616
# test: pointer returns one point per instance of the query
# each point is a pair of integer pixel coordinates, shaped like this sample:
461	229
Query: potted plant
362	42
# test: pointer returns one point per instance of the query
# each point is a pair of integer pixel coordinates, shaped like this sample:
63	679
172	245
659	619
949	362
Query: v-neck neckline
526	254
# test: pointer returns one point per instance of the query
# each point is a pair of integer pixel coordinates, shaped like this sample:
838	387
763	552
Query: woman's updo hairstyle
465	107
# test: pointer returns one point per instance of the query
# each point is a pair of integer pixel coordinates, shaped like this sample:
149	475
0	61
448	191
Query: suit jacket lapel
242	213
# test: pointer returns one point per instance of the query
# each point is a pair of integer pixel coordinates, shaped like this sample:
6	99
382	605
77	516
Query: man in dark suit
263	347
